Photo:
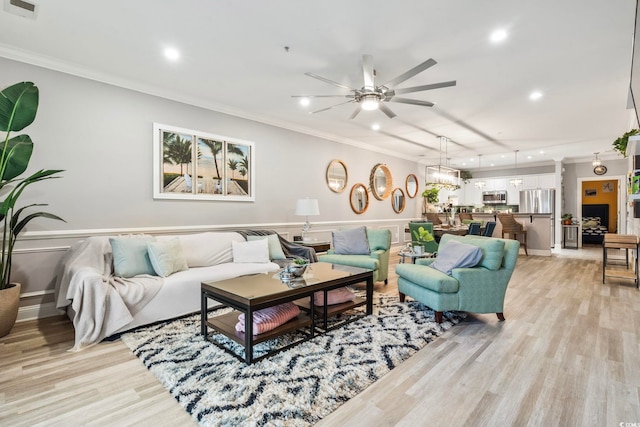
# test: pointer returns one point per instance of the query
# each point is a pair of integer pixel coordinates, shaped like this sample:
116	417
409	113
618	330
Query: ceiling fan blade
367	70
425	87
386	110
331	82
412	72
322	96
355	113
412	101
328	108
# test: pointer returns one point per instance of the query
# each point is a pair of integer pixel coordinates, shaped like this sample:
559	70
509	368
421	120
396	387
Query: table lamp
307	207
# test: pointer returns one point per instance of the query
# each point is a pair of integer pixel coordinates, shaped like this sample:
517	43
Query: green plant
422	235
18	107
465	176
431	194
567	216
301	261
620	144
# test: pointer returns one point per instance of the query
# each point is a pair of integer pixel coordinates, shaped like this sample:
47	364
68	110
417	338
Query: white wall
101	136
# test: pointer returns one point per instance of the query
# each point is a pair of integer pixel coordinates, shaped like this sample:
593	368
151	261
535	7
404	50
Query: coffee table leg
312	314
203	313
248	336
370	295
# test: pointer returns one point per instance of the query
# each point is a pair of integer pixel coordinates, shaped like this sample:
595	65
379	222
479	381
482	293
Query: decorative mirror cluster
380	181
380	186
359	198
337	176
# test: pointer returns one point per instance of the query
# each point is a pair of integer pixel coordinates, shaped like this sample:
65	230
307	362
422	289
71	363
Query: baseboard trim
38	311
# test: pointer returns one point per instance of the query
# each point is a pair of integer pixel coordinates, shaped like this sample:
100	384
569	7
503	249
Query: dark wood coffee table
248	294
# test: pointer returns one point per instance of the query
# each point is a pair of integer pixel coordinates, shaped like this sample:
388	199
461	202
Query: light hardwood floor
567	355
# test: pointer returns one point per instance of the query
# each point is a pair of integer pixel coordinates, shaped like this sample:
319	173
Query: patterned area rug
296	387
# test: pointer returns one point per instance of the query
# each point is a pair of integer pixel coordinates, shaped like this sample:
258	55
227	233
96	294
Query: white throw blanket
100	303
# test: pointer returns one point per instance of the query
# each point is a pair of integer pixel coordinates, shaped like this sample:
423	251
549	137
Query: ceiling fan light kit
371	97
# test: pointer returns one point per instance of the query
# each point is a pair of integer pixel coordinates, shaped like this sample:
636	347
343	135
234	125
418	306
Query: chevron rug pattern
296	387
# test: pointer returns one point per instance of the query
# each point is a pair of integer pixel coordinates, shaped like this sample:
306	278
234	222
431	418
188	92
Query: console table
620	241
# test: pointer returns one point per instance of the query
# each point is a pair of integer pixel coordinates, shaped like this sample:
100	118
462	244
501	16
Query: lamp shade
307	207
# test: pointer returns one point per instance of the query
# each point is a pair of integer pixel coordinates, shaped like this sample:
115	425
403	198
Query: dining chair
488	229
474	229
434	218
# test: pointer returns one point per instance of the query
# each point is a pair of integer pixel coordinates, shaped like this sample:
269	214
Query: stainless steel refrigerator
542	202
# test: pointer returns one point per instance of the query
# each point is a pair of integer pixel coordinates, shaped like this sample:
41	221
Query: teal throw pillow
166	257
130	256
275	248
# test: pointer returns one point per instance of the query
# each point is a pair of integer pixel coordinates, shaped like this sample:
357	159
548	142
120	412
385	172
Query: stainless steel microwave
497	197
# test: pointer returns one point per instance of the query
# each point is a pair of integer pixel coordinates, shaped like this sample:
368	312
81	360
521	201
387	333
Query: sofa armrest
482	290
383	257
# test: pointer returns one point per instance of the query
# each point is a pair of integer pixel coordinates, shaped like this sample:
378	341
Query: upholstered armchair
377	259
478	289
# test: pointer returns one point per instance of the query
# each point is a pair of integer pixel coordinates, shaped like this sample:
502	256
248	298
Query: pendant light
442	176
481	183
596	160
516	181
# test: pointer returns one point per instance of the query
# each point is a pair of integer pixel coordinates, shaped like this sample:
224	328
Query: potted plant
465	176
18	107
620	144
421	236
567	219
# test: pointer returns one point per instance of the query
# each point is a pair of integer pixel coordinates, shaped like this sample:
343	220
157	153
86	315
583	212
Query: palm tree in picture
182	150
233	165
216	149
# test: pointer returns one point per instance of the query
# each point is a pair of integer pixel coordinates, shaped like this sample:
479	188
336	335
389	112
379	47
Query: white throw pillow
275	248
256	251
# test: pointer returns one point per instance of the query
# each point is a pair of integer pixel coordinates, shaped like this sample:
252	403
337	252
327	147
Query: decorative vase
9	301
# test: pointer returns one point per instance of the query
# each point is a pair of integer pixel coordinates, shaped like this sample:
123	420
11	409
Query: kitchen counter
538	226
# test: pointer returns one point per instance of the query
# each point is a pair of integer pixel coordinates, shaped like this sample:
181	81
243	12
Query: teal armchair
377	260
480	289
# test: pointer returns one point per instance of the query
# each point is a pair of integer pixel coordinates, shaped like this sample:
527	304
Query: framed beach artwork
195	165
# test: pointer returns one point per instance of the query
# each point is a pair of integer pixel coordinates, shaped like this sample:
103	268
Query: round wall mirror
337	176
359	198
411	185
380	181
398	200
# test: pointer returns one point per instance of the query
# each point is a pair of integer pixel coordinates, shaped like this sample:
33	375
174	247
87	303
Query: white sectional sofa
101	303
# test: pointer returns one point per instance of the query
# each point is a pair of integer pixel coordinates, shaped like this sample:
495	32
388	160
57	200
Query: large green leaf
18	106
19	151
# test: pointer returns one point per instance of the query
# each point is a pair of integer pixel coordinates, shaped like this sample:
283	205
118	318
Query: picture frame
590	192
195	165
607	187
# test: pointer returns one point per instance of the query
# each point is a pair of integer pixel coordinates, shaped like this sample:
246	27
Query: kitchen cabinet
533	182
513	193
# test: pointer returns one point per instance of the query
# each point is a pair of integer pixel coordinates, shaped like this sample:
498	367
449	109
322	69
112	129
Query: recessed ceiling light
535	95
498	35
541	151
305	102
375	126
492	164
464	164
171	54
529	157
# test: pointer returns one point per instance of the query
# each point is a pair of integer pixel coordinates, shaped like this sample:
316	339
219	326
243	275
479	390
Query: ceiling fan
372	97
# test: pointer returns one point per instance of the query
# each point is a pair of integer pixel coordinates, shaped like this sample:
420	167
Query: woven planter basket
9	301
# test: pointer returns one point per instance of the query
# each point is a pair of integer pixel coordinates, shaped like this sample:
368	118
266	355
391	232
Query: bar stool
514	229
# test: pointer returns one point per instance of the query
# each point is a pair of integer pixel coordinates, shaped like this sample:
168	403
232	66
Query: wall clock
600	170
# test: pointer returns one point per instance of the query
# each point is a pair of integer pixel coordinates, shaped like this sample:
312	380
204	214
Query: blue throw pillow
351	242
454	254
130	256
